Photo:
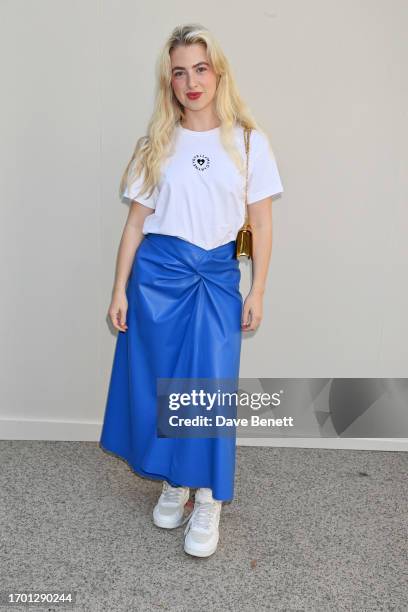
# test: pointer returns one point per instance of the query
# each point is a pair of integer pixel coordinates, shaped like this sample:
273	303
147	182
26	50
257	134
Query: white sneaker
169	510
202	528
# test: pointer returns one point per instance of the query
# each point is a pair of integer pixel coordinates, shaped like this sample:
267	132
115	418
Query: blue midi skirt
184	321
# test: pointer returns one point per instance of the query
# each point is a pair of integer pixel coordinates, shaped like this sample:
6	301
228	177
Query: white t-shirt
201	194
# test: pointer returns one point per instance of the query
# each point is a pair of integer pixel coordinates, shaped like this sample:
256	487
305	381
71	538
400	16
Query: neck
199	121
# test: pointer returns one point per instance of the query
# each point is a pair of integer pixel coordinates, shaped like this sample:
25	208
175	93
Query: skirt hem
156	477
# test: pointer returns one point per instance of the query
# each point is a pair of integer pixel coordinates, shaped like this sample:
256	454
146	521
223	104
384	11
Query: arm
132	236
260	219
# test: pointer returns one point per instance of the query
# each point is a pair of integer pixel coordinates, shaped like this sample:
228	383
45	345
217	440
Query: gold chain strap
244	236
247	134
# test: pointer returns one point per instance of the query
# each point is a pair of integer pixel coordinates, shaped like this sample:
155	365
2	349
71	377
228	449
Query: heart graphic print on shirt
201	162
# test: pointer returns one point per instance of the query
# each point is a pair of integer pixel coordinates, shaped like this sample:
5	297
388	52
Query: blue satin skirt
184	320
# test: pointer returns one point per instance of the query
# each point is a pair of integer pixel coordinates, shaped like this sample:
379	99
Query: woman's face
192	72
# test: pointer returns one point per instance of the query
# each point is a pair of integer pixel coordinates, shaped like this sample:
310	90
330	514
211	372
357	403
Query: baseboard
89	431
380	444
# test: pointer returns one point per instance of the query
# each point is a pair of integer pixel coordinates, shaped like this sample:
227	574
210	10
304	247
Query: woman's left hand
252	311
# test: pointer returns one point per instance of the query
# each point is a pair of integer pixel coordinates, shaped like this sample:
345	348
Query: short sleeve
263	174
135	187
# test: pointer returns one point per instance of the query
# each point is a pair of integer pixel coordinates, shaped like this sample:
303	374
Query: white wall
326	79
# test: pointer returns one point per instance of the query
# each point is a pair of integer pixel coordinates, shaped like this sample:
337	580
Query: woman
176	300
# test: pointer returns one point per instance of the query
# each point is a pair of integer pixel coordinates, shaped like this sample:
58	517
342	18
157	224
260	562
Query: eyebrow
194	66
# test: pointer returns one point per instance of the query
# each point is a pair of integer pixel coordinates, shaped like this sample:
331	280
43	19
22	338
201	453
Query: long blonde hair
151	150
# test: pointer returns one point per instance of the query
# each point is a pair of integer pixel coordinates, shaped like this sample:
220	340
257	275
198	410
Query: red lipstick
194	95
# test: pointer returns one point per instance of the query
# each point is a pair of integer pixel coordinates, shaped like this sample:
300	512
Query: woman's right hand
118	309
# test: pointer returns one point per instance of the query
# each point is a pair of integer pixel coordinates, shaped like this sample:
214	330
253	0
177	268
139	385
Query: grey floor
311	530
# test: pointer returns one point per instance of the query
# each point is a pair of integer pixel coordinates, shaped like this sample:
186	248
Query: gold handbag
244	236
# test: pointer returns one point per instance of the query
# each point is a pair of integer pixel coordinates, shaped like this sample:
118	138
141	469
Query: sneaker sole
167	524
200	553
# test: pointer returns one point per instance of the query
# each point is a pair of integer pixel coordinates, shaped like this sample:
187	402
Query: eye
178	73
202	68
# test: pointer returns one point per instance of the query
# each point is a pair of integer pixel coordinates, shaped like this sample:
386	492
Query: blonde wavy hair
151	150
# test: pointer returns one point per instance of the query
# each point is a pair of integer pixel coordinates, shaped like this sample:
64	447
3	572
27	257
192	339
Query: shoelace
202	516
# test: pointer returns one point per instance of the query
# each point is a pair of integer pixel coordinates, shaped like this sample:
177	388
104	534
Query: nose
191	81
